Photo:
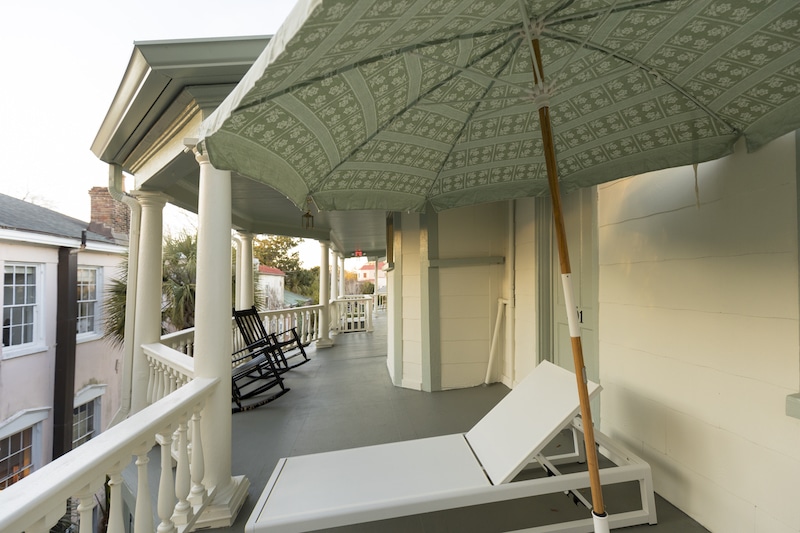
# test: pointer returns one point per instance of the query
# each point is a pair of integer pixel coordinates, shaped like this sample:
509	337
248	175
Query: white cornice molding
29	237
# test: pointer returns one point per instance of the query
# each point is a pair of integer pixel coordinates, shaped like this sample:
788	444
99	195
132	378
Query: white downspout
117	190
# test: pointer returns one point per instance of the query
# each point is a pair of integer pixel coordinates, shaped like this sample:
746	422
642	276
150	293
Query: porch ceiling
167	82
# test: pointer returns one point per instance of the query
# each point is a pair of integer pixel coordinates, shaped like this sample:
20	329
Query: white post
148	293
244	272
324	298
213	342
335	278
341	275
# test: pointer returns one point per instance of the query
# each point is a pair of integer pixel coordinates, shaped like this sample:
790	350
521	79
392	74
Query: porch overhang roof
170	85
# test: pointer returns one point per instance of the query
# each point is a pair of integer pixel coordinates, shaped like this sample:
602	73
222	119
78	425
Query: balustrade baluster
115	520
85	508
198	492
151	382
183	510
166	485
162	381
143	514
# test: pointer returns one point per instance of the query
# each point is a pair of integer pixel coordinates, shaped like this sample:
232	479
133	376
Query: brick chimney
109	214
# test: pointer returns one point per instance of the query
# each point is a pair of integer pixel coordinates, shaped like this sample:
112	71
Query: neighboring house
34	242
366	273
270	286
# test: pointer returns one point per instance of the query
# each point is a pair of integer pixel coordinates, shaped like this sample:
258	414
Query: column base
324	343
224	507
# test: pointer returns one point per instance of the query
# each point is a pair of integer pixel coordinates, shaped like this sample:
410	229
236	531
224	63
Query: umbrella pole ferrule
600	522
572	309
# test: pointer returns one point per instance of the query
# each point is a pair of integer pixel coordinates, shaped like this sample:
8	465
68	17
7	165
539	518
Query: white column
244	271
148	292
335	278
375	286
213	342
341	275
324	298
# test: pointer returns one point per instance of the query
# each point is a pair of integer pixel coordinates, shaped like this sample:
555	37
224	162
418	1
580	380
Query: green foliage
273	250
367	287
114	306
179	281
179	278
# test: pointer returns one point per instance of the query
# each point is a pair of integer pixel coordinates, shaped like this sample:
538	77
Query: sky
62	63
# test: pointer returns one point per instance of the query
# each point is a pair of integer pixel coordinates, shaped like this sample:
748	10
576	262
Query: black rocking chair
287	344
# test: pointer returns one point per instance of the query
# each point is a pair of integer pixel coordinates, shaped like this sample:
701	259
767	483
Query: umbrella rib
472	114
647	70
394	117
595	13
475	72
389	53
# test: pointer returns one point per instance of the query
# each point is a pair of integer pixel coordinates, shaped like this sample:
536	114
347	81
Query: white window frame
97	331
28	419
90	395
37	343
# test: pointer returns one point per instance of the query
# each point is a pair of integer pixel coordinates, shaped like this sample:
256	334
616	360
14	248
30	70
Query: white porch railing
171	363
305	319
35	503
351	313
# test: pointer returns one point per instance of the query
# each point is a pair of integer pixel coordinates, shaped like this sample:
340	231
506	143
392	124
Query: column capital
155	199
245	236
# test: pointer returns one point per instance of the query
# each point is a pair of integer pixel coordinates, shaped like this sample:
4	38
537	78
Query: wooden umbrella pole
598	507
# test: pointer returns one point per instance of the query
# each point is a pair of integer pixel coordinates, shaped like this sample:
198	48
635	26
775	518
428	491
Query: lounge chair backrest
522	423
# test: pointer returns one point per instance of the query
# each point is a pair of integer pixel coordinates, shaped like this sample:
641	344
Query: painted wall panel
468	295
525	340
699	333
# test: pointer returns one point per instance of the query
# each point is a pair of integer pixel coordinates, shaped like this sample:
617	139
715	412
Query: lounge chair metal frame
360	485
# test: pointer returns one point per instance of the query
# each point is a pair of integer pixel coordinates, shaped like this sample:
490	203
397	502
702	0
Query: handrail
36	502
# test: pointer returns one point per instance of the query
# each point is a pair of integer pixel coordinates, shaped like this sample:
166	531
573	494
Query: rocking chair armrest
251	351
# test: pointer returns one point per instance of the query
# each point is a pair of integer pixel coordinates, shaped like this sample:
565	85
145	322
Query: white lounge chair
358	485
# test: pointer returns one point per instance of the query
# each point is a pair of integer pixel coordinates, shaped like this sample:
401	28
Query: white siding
468	294
699	334
412	303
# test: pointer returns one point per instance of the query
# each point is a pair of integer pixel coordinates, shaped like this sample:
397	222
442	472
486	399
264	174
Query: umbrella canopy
371	104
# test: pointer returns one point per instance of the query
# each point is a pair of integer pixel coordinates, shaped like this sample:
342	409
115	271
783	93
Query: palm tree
179	276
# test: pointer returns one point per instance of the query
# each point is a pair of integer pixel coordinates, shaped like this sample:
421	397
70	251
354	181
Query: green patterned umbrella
397	104
376	104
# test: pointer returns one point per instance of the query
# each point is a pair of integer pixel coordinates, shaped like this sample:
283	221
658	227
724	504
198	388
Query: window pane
8	294
27	438
28	314
19	277
30	277
16	335
30	294
27	334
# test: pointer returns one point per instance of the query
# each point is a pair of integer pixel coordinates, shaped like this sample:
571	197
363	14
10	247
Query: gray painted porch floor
344	398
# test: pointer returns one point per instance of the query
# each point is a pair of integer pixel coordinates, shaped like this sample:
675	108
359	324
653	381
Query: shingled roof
19	215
